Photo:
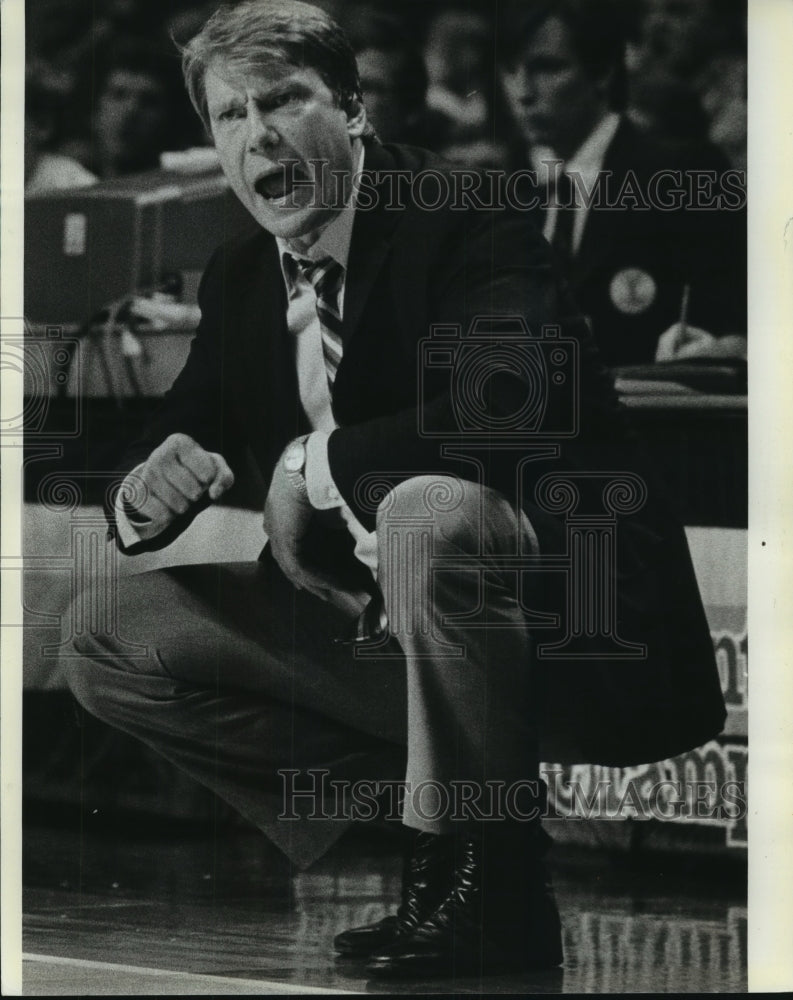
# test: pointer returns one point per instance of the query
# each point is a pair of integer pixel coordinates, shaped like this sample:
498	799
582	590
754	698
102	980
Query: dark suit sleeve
195	405
490	265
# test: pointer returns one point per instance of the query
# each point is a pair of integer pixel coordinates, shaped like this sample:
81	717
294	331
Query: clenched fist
174	476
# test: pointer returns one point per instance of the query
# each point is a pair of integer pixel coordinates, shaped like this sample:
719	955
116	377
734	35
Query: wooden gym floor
172	911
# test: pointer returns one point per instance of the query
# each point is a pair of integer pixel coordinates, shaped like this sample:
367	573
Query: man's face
678	30
267	130
553	102
379	72
132	118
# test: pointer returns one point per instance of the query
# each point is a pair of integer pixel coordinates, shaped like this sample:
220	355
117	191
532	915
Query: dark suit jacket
396	406
704	247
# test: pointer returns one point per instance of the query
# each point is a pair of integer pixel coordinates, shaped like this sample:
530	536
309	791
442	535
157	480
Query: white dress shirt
303	323
586	164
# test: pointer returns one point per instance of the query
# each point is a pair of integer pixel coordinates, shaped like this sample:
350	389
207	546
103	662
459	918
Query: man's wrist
322	490
294	464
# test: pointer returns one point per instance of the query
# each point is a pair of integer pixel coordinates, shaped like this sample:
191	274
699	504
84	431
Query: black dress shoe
426	879
510	925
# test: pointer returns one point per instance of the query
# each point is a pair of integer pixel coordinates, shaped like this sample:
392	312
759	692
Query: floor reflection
230	906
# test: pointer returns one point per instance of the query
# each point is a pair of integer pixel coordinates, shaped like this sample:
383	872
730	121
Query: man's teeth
275	186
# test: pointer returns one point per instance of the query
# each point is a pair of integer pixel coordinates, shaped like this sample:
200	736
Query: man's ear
356	118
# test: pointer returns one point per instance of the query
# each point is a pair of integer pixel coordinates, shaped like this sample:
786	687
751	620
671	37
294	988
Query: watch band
295	465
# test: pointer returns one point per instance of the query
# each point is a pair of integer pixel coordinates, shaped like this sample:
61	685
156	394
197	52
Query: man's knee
78	666
429	500
92	654
463	516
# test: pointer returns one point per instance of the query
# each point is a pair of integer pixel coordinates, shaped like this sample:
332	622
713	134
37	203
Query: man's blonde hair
258	36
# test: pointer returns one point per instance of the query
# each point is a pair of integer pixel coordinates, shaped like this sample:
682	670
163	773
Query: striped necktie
326	275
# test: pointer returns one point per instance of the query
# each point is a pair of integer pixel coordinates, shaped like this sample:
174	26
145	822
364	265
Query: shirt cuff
323	493
130	531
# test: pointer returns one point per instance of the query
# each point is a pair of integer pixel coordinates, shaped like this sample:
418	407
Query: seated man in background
652	241
140	108
420	557
46	170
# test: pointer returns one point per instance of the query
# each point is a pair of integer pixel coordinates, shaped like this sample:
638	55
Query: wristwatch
295	465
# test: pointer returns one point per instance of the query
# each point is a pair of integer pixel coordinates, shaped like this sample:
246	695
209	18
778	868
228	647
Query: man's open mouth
280	184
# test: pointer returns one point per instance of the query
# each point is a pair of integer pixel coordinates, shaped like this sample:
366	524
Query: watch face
295	458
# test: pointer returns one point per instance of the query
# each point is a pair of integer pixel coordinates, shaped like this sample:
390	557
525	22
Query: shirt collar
334	240
587	159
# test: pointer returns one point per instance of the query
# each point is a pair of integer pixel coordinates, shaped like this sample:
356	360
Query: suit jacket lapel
263	352
599	230
371	233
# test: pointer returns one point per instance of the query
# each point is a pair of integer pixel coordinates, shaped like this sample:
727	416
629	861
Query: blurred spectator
134	17
458	56
634	249
702	44
393	77
59	41
141	107
722	86
683	35
669	111
61	33
455	48
46	170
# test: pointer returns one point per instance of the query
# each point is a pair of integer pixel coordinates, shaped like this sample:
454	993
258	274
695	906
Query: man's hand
680	342
683	341
287	517
174	476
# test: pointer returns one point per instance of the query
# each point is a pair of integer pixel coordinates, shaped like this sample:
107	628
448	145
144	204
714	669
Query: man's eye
281	100
231	113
